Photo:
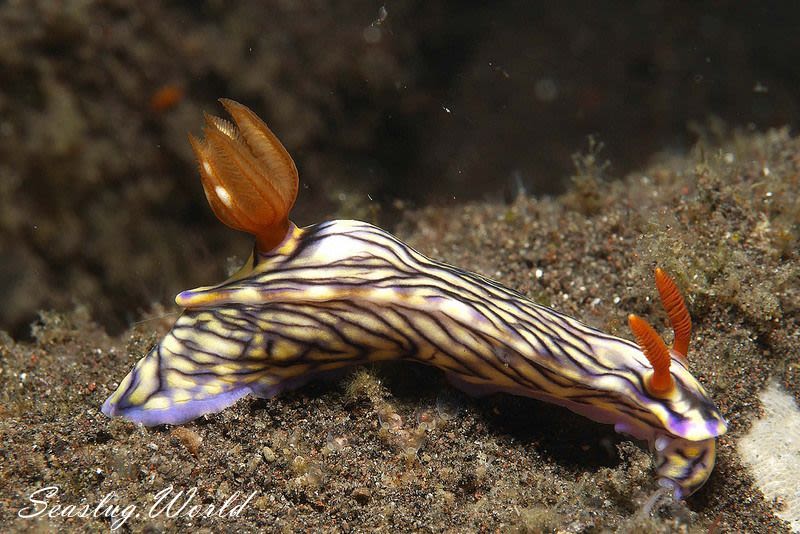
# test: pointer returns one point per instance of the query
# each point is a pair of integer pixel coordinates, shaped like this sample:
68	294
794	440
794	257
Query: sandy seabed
394	447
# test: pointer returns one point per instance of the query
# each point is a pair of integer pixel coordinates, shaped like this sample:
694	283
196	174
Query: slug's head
249	178
690	421
683	465
677	399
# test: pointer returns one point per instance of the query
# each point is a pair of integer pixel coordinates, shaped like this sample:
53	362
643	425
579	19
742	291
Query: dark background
425	102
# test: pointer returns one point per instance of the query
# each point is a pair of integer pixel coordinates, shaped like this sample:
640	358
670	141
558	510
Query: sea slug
340	293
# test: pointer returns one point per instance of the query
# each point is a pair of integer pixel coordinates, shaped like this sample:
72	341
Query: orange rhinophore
249	178
679	317
656	352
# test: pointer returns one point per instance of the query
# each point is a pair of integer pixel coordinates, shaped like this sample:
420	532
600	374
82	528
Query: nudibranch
340	293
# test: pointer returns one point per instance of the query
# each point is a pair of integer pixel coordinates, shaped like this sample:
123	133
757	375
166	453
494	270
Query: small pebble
300	465
190	439
362	495
268	454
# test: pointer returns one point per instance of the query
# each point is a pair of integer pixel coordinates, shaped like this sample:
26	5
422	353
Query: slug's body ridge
342	293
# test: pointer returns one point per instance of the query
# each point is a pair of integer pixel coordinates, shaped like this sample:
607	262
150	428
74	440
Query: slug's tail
214	356
206	362
155	392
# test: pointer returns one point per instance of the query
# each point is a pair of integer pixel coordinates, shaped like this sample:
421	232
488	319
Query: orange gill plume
657	353
679	317
249	178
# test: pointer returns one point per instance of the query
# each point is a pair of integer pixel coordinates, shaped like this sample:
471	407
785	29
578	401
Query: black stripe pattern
343	293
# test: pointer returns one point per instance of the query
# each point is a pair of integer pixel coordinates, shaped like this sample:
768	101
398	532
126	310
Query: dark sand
393	447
